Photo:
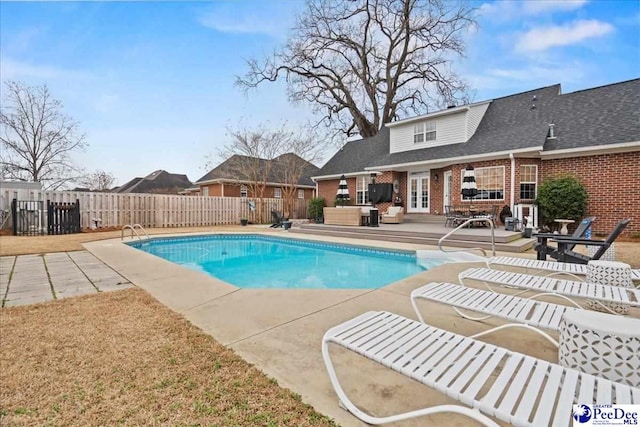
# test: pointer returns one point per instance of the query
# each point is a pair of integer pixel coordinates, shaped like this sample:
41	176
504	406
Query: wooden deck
427	230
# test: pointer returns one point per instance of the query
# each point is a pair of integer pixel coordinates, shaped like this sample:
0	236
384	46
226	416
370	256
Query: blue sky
152	83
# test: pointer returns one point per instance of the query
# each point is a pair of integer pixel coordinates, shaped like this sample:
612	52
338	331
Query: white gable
452	126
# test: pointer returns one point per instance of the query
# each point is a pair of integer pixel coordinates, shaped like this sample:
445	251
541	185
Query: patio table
601	344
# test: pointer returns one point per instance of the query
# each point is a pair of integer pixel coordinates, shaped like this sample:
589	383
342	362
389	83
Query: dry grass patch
123	358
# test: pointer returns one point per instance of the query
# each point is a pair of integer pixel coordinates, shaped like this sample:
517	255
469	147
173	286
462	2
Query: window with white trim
277	192
528	182
244	191
205	191
425	131
490	182
300	194
362	190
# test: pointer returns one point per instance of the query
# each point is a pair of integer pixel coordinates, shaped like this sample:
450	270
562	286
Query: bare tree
258	156
363	63
37	138
98	180
301	151
249	155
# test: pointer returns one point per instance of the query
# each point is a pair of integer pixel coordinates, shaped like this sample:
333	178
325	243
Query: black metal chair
567	255
542	247
449	217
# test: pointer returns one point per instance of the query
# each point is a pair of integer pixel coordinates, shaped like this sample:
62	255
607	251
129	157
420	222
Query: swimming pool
256	261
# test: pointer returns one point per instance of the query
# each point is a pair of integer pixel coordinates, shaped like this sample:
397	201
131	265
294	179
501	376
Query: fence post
14	216
49	218
76	218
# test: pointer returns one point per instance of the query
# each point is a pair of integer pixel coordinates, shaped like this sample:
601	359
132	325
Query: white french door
448	185
418	192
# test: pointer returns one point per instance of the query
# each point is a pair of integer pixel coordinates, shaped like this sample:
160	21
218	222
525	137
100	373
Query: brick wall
233	190
612	183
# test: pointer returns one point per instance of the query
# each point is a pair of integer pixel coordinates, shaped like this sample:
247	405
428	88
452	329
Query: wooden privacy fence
155	210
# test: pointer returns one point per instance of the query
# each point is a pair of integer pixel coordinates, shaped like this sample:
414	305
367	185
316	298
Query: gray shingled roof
593	117
227	170
599	116
354	156
159	181
510	123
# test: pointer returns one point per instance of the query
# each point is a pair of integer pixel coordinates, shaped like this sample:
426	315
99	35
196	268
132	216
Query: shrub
315	207
564	197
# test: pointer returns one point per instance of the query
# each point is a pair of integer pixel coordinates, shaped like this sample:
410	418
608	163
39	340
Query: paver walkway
29	279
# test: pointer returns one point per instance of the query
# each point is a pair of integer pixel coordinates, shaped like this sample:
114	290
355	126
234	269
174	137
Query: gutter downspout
222	189
512	194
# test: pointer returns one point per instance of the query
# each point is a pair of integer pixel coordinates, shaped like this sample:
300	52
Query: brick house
235	177
514	143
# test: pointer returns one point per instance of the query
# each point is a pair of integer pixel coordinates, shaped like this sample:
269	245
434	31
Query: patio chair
543	249
605	297
277	219
488	381
568	255
577	271
521	312
491	214
393	215
449	216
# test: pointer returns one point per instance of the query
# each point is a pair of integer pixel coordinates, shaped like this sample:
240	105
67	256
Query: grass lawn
123	358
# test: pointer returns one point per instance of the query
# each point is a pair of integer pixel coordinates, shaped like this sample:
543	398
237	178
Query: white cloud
508	10
106	103
534	7
542	38
11	69
238	22
509	79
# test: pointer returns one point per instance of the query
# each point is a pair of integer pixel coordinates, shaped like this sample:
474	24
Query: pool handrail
464	224
133	231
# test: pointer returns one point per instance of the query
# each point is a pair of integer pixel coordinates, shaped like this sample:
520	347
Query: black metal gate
28	217
63	218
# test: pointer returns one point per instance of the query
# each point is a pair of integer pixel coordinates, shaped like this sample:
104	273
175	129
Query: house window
528	181
277	192
425	131
300	194
362	190
244	191
490	182
205	191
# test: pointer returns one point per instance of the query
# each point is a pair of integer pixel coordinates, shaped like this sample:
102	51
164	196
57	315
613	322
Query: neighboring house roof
228	170
159	181
600	116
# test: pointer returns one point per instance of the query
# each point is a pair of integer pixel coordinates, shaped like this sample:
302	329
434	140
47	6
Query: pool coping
404	255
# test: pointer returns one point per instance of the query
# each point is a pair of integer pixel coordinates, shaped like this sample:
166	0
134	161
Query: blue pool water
254	261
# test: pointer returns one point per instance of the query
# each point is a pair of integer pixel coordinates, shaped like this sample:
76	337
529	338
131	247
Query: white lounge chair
491	381
522	312
578	271
566	289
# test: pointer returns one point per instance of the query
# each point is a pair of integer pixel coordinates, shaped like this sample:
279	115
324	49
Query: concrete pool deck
280	330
